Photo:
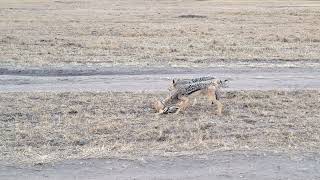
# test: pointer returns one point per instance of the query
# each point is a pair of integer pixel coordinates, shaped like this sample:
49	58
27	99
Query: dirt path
225	165
129	79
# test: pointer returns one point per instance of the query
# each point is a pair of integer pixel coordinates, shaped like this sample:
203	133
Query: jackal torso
181	82
188	89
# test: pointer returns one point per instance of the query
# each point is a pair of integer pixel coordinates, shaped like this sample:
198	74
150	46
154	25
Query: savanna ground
157	33
40	128
48	127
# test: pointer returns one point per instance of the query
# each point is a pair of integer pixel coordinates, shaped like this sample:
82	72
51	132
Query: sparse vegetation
47	127
150	33
42	37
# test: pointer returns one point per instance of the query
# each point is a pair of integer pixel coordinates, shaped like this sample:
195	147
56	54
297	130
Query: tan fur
181	99
158	106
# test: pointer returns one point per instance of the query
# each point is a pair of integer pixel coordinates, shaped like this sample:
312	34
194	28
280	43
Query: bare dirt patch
47	127
221	165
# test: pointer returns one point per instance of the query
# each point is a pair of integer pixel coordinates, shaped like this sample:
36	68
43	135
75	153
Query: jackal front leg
213	98
183	104
158	106
219	106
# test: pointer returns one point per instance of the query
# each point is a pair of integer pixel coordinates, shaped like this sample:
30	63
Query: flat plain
50	39
39	128
187	33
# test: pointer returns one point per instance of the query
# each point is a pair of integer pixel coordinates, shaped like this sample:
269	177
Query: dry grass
48	127
177	33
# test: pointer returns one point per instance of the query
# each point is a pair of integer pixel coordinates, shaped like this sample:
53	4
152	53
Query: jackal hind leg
212	96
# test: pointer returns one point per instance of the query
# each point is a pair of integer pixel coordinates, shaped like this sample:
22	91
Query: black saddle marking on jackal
192	88
205	78
192	91
194	80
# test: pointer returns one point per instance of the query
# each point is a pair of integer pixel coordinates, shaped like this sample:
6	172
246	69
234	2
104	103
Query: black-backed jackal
184	88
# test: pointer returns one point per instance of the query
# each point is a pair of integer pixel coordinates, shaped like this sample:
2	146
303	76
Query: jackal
182	82
179	100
